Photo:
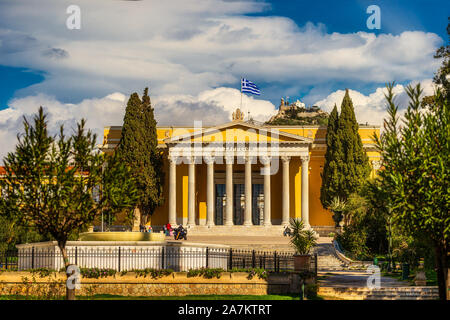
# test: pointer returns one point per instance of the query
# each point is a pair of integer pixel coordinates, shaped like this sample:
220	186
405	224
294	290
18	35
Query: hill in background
296	113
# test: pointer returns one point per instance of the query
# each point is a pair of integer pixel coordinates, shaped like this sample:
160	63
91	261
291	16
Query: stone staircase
236	230
327	258
385	293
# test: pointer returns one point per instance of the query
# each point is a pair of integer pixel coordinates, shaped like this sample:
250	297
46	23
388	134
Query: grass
188	297
430	274
193	297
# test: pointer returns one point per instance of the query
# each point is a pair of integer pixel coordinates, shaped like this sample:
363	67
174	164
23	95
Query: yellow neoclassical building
243	174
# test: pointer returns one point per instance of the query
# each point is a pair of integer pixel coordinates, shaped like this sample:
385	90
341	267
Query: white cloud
210	106
188	47
371	109
98	112
188	52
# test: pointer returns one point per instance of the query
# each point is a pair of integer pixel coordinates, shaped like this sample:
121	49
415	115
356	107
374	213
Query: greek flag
249	87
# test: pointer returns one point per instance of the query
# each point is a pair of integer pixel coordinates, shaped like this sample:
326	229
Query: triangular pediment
237	131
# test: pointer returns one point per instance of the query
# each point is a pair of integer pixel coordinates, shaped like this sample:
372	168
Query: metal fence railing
176	258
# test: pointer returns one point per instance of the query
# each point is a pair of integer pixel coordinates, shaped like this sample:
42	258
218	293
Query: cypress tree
138	149
353	168
330	182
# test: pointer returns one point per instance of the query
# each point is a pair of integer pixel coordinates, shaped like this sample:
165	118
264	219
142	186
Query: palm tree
303	240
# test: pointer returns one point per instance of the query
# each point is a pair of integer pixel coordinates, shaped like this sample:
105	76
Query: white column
229	191
191	193
267	208
210	191
172	192
285	209
248	192
305	190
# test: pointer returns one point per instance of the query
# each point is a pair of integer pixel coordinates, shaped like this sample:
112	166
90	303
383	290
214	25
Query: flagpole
241	94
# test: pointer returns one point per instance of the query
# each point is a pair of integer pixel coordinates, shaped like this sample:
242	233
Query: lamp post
242	209
224	204
260	202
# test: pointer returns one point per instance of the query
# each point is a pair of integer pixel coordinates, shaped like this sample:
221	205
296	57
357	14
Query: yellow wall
317	215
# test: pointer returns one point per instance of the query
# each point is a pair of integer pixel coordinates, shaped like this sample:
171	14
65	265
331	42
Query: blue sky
337	16
192	54
348	16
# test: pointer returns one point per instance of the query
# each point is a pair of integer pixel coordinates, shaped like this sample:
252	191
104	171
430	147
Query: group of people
177	233
167	229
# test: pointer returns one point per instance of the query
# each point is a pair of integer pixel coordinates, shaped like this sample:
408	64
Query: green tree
330	175
138	148
12	233
50	180
352	163
367	229
416	172
442	75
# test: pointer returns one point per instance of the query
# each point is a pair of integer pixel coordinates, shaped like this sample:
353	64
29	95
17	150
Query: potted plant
337	206
303	240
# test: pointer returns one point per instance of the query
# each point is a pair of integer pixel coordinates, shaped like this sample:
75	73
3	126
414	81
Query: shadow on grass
191	297
188	297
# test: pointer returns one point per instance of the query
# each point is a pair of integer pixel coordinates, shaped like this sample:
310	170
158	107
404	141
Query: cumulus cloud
188	47
101	112
371	109
212	107
189	53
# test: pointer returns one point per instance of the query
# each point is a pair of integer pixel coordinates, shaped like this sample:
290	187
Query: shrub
302	239
97	273
154	273
311	290
207	273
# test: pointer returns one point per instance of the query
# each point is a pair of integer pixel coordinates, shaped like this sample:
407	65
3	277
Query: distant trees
346	164
49	183
138	148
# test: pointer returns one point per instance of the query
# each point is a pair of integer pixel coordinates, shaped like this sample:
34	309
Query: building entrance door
238	201
220	200
257	204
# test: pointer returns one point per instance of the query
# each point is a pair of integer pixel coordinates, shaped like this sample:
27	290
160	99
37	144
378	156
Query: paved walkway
355	279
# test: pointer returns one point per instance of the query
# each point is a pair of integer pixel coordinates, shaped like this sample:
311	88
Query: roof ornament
238	115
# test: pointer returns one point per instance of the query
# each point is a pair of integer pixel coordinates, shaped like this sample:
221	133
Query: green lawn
431	277
193	297
188	297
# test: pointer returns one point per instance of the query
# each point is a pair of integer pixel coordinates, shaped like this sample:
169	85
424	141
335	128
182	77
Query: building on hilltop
296	113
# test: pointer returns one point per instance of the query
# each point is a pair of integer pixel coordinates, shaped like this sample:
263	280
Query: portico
215	177
241	194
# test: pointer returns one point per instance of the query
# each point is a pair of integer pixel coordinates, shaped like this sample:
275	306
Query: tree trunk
442	270
70	293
